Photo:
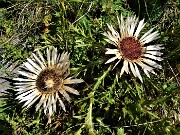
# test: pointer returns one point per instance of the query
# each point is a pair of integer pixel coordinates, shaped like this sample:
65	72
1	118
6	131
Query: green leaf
120	131
75	0
100	79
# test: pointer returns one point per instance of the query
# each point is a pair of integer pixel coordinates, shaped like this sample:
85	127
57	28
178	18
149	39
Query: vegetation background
107	104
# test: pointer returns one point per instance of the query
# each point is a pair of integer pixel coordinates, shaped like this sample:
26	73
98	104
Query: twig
84	14
173	74
147	10
72	127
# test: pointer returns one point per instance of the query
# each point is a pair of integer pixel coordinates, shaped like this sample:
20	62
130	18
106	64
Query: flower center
49	80
49	83
131	48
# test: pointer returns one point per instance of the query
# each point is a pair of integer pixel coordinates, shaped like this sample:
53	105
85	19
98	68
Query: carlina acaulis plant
45	82
132	49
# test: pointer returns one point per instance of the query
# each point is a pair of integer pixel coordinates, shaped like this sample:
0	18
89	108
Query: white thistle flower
131	48
44	82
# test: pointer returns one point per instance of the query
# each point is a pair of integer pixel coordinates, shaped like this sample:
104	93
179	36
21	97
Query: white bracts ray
64	61
34	64
58	58
73	81
146	34
111	59
45	103
111	37
125	65
42	59
29	75
44	106
41	64
127	25
122	21
139	28
67	57
53	101
132	26
156	53
146	72
152	63
137	72
112	29
24	94
48	57
22	90
114	32
50	110
24	84
111	51
111	42
25	87
132	69
64	93
64	57
150	37
54	56
144	66
65	68
29	103
119	23
154	47
116	64
60	101
71	90
42	100
66	74
23	80
49	103
118	55
152	57
31	68
29	96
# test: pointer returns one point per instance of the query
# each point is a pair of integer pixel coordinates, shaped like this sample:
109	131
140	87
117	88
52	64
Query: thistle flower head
132	49
45	82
